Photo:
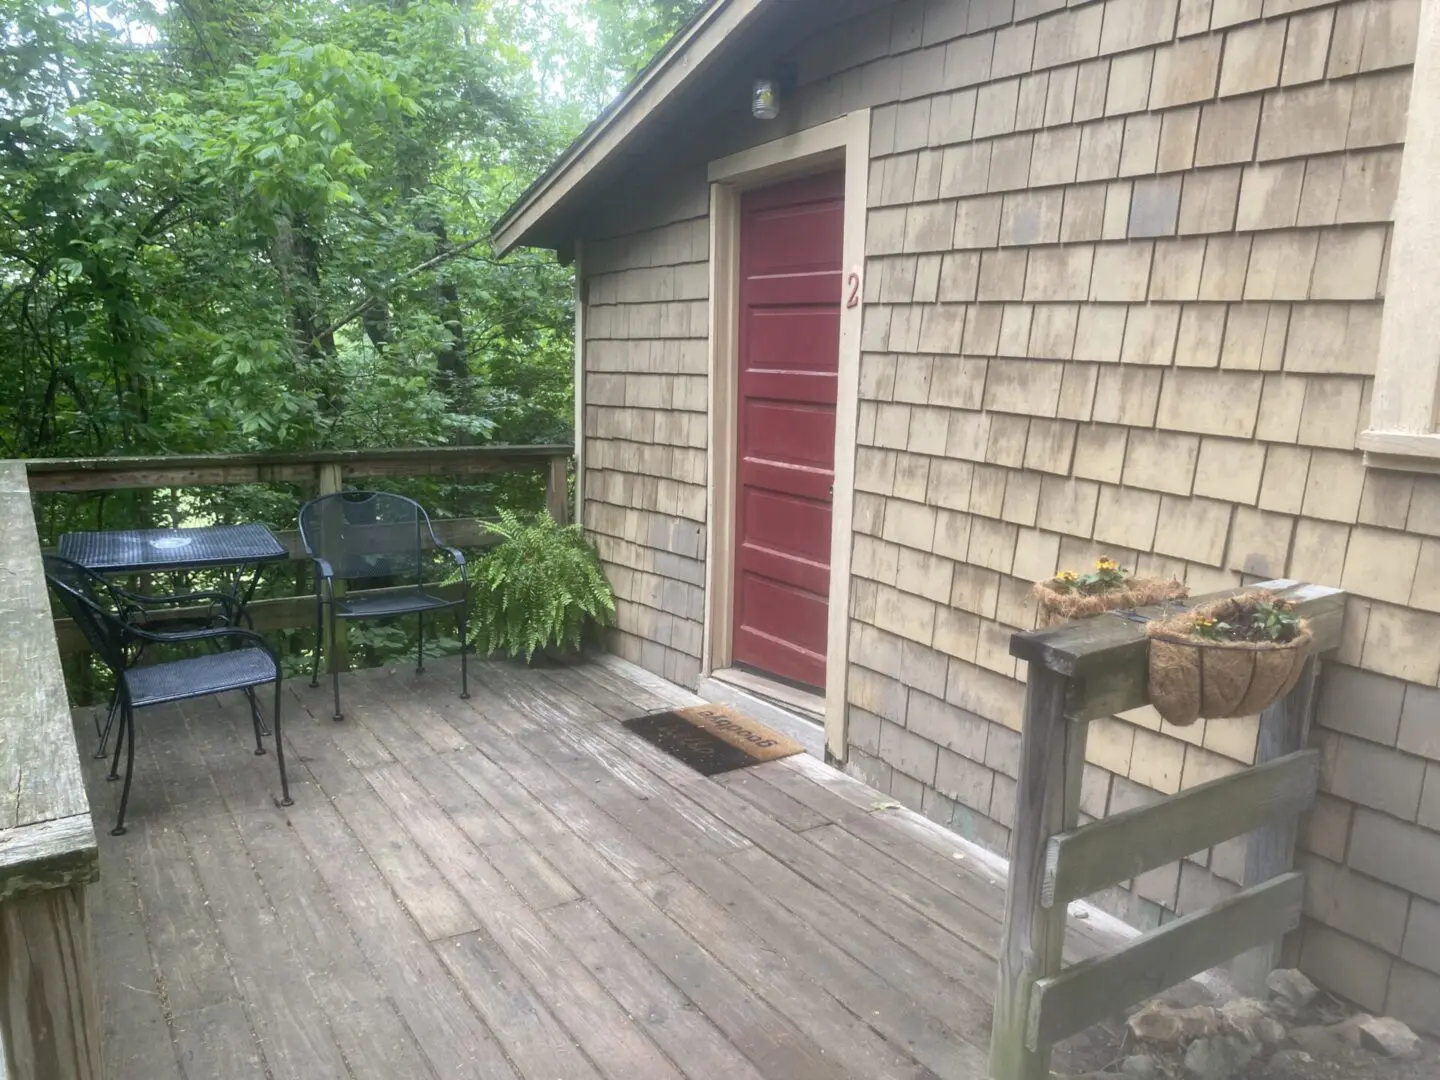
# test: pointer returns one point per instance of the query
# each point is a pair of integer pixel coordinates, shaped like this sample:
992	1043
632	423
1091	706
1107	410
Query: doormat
712	739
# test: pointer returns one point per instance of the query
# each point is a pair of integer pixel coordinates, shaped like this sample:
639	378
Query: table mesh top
139	550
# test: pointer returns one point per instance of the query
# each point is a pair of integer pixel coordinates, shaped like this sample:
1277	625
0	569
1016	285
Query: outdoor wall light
765	102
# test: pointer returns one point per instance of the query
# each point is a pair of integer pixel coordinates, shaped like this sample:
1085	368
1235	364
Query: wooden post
329	480
1269	852
48	1002
557	489
1047	801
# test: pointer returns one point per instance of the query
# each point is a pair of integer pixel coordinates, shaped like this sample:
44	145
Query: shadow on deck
516	887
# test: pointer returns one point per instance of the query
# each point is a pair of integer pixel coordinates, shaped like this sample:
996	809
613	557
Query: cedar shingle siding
1125	261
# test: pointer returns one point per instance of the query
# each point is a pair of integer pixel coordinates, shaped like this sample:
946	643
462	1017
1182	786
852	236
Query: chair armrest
323	567
147	600
457	557
184	637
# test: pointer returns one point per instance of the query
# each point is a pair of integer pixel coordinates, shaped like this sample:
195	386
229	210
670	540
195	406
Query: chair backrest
366	534
84	595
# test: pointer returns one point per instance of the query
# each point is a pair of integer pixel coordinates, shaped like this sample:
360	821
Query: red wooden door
791	245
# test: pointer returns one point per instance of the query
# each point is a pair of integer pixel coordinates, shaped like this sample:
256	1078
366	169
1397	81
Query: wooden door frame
840	143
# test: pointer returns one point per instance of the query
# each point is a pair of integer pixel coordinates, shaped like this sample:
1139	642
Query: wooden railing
319	472
49	1008
1094	668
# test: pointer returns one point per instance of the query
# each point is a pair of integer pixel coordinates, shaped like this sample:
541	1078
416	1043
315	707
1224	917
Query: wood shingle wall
646	328
1125	271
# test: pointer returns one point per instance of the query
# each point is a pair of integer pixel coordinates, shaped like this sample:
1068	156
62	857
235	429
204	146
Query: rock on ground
1292	987
1140	1067
1220	1057
1159	1023
1250	1020
1388	1036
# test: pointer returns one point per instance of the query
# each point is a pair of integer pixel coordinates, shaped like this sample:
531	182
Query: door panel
791	244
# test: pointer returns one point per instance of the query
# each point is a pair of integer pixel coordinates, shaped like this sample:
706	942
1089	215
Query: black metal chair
222	610
368	535
99	609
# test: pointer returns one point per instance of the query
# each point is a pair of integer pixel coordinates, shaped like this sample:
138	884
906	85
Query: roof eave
682	60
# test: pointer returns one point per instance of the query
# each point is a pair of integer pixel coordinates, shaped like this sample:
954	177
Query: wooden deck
515	887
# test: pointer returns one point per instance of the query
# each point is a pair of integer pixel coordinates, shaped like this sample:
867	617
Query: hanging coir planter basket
1106	588
1231	657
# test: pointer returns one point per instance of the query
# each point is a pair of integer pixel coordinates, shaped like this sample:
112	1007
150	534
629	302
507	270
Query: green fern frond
541	586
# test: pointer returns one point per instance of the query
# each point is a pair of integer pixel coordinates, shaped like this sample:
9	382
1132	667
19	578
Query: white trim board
844	141
581	299
1405	399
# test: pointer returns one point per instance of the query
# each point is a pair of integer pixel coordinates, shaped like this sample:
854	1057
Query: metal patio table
151	551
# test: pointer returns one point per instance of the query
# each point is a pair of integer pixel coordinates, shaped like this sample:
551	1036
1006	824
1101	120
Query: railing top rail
1105	657
106	474
46	837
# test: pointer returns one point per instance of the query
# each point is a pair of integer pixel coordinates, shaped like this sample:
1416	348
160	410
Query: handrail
197	470
1093	668
49	1007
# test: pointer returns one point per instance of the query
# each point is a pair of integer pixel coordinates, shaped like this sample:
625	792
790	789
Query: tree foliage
235	225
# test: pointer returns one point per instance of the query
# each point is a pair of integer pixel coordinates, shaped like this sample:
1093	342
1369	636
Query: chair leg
335	670
104	732
127	727
319	637
285	799
114	773
420	647
464	648
256	721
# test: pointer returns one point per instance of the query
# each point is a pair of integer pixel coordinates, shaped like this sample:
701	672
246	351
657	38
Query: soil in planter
1246	623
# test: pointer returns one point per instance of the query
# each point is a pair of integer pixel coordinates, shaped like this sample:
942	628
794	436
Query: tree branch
430	263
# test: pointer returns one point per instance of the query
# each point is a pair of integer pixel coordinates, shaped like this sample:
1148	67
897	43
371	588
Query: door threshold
781	693
799	715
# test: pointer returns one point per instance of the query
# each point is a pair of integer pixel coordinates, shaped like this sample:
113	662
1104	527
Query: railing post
330	480
1270	852
557	489
48	1002
1047	801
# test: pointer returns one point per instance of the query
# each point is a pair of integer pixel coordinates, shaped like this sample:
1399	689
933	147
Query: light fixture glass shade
765	102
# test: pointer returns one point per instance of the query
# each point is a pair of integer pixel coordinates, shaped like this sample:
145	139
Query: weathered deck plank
515	888
453	1039
890	1010
293	1031
535	1041
806	1003
376	1043
760	1032
666	1015
190	964
948	994
434	905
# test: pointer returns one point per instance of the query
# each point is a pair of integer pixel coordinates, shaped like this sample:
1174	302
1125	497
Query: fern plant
538	589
